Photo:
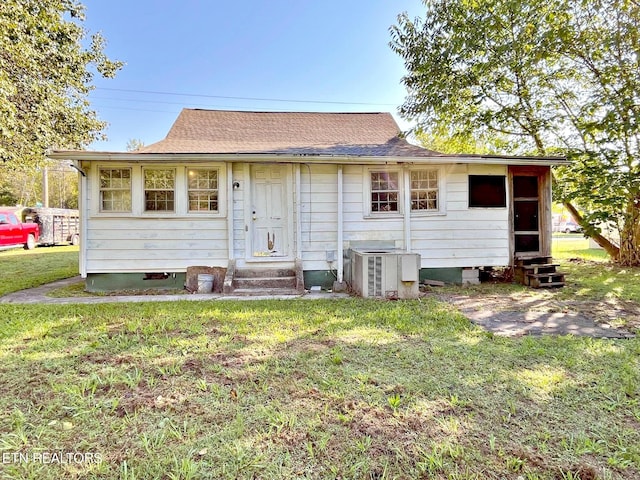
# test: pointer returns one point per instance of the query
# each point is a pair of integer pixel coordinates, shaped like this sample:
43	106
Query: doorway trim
543	175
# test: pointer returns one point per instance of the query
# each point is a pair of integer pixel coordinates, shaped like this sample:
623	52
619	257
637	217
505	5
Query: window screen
487	191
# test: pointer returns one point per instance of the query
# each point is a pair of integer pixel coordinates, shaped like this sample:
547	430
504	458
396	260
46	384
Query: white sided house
251	192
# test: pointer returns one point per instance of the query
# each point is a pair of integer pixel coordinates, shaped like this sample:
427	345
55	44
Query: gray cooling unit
385	273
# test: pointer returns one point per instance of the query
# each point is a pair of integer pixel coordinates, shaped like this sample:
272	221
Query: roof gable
301	133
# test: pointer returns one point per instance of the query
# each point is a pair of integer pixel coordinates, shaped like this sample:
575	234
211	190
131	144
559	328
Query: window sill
383	216
488	208
175	216
434	213
395	215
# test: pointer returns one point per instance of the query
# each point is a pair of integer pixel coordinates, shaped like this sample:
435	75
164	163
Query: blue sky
329	55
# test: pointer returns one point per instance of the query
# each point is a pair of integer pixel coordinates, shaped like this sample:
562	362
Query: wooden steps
538	272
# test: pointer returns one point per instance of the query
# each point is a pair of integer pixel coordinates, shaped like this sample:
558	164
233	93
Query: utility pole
45	187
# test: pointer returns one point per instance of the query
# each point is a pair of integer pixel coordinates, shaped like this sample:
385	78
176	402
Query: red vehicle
14	233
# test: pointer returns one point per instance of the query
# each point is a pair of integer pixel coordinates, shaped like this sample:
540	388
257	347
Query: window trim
100	190
137	190
175	190
367	191
442	200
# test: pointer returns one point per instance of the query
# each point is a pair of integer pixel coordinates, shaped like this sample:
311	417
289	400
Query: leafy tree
23	185
442	139
63	185
134	144
7	199
47	63
552	77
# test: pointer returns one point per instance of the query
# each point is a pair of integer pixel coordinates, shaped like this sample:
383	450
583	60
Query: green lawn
310	389
20	269
576	246
591	275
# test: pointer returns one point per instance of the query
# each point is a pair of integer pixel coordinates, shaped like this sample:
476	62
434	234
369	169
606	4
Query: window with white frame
202	189
385	191
424	191
159	190
115	189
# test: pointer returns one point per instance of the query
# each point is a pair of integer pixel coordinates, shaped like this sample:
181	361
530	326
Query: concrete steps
264	281
264	292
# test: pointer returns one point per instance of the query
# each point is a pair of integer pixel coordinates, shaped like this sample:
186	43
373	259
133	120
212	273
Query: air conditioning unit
385	273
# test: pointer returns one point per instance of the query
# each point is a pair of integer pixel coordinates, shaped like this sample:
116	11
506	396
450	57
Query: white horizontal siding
168	244
359	228
318	214
463	237
154	244
459	237
159	256
181	233
468	236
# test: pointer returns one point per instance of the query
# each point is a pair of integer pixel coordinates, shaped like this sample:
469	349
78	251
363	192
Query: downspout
407	210
340	249
298	212
230	218
83	200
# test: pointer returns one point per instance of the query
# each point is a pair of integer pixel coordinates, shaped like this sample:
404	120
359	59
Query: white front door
269	212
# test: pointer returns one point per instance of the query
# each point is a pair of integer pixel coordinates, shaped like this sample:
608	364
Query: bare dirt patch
515	314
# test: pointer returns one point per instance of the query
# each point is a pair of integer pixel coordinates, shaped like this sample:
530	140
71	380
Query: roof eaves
305	158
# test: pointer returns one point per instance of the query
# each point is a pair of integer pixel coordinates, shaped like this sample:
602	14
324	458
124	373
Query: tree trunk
629	240
610	248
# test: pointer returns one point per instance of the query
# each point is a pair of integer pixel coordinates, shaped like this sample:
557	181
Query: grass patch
591	274
312	389
71	291
574	246
309	389
21	269
602	281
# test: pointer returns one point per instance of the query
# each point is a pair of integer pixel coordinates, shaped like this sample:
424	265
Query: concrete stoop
258	281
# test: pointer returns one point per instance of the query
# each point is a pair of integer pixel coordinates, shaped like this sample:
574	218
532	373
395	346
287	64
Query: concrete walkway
38	295
476	309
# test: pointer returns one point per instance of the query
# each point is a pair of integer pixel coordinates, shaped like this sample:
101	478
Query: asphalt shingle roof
294	133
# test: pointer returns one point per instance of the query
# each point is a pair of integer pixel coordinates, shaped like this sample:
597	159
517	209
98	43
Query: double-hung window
159	189
385	191
424	191
115	189
202	189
